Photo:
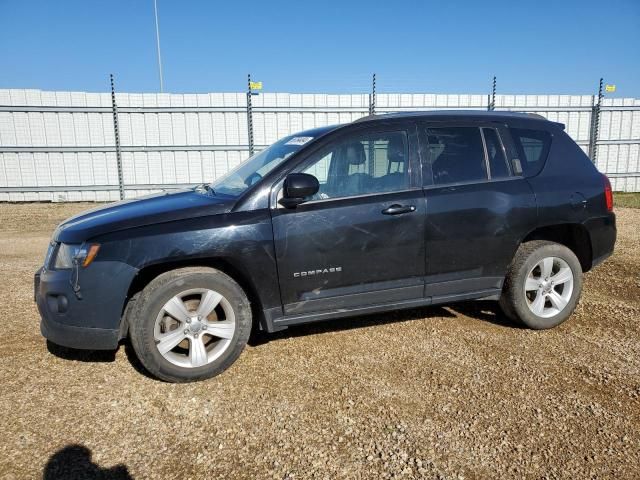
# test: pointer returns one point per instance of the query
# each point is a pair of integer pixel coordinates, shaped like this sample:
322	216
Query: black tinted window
456	154
532	147
498	166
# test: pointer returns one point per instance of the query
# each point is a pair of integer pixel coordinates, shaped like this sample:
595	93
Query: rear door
360	240
478	210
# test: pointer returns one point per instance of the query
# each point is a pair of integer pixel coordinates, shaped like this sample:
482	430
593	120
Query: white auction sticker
299	140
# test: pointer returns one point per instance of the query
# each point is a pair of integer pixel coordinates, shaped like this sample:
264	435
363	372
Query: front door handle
396	209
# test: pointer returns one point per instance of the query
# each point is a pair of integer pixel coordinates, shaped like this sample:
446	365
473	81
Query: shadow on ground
73	462
93	356
487	311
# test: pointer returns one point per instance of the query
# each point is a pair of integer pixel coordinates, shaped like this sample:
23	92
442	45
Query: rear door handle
396	209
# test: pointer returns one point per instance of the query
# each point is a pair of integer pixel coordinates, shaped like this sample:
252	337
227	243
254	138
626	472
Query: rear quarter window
532	147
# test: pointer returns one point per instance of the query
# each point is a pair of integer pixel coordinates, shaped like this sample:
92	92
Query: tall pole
155	9
372	96
492	104
372	111
249	116
116	132
595	125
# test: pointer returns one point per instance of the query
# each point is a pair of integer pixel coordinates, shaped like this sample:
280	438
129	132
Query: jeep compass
388	212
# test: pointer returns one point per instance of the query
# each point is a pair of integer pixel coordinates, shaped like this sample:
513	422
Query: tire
203	311
527	295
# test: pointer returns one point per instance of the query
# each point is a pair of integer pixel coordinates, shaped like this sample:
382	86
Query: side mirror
298	186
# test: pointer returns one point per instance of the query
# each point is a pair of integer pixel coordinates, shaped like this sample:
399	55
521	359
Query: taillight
608	193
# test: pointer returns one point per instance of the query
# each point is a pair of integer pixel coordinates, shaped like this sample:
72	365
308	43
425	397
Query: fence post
372	97
249	116
116	131
595	125
592	126
492	98
371	154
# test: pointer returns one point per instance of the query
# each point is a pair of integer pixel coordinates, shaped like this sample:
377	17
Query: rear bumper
602	232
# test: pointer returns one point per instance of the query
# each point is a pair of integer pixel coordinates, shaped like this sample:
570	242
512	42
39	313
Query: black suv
388	212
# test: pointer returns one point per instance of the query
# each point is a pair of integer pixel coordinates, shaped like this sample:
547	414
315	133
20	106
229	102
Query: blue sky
534	46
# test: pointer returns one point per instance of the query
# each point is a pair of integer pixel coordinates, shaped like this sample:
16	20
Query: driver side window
362	164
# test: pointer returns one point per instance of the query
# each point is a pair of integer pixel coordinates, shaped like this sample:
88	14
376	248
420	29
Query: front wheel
190	324
543	285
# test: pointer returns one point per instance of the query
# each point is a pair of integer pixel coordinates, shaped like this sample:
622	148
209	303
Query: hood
158	208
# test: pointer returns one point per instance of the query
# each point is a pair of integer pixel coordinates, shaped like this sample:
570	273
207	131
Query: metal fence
61	146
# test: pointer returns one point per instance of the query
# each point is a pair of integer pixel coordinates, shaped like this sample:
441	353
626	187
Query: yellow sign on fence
610	88
255	85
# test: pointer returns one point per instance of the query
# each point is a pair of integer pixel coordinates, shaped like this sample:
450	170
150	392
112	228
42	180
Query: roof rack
481	113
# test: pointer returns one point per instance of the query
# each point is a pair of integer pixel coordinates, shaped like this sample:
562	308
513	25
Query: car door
360	239
478	210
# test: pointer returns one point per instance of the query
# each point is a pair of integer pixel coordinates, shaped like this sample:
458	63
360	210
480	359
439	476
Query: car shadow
99	356
92	356
134	361
487	311
74	462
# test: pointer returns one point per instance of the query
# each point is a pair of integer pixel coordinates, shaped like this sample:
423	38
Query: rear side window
532	147
456	155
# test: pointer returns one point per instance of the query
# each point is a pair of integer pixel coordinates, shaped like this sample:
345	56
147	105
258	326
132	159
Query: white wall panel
66	139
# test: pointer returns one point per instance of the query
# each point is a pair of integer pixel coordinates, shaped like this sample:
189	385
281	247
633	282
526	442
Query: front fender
241	239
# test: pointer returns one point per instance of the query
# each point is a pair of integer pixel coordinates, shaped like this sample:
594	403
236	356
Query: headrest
354	153
395	149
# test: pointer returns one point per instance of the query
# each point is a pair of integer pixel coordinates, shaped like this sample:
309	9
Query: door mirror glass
297	188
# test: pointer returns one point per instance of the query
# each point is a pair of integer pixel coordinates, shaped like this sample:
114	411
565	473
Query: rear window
532	147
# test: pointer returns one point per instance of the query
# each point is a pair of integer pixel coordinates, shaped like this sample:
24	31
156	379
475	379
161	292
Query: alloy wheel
548	287
194	328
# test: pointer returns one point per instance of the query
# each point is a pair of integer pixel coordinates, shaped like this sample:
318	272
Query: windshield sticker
298	140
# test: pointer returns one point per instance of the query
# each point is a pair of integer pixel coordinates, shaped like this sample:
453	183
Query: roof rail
368	117
480	113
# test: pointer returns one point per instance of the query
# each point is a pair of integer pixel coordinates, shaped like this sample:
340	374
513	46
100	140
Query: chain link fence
61	146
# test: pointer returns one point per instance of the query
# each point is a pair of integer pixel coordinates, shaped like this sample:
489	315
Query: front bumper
78	337
91	322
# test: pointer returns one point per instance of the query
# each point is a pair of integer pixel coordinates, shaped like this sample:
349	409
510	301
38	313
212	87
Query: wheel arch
146	274
574	236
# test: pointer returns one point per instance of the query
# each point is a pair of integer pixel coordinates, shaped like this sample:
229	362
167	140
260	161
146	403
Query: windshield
258	165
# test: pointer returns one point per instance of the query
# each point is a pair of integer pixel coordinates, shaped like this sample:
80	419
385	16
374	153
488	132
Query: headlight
68	253
47	258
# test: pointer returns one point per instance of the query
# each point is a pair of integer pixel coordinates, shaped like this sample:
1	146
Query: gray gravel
453	392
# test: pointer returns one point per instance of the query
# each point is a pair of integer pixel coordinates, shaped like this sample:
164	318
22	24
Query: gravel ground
453	392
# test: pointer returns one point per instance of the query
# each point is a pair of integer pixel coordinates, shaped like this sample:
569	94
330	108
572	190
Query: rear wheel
190	324
543	285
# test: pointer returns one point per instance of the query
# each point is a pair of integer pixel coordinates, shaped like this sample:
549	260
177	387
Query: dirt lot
429	393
